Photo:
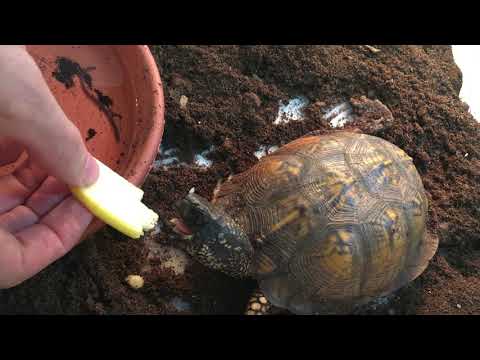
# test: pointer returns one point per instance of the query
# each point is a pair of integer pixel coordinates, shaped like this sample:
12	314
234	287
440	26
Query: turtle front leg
259	305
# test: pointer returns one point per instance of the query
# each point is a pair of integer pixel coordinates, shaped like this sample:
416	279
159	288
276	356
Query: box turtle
325	223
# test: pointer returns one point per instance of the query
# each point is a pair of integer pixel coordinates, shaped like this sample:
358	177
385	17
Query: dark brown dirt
233	97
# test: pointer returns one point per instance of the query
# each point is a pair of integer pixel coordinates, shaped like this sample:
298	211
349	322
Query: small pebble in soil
372	49
459	306
256	306
183	102
339	115
292	111
135	281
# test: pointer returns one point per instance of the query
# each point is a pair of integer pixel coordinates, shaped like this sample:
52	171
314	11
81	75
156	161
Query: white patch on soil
169	257
180	304
264	151
201	159
170	157
174	259
339	115
292	111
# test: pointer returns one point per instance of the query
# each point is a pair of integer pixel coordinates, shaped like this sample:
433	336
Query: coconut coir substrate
226	99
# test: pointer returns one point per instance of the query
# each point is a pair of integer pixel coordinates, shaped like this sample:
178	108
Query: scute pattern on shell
337	220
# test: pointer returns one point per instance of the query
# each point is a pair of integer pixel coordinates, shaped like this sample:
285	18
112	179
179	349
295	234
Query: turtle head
217	241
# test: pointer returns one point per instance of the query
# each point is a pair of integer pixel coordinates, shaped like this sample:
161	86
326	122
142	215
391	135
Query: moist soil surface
228	97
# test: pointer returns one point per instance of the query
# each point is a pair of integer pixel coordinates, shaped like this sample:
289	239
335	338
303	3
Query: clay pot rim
152	142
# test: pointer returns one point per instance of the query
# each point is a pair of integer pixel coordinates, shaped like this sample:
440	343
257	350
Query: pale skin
40	221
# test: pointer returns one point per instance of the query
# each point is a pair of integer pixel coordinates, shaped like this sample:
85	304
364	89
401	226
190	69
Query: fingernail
91	171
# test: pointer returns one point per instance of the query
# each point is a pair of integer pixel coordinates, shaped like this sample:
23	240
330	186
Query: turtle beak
183	207
181	229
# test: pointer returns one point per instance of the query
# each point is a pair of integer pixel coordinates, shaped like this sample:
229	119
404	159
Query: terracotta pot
129	76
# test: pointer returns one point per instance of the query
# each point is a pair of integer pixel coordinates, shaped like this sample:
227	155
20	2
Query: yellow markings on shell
403	154
329	247
343	235
304	228
397	238
313	149
338	261
392	215
374	160
274	166
336	189
389	256
292	216
395	180
293	170
341	263
417	202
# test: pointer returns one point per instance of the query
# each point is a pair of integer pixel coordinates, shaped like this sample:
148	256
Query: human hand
39	219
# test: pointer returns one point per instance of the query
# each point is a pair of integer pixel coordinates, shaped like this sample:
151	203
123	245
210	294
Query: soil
228	97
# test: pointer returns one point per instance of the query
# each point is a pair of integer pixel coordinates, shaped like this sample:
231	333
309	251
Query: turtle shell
335	220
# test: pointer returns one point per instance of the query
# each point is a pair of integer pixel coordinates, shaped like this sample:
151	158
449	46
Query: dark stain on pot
67	69
65	72
90	134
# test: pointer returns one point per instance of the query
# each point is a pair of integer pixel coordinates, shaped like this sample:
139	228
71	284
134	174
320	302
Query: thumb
57	146
30	114
62	153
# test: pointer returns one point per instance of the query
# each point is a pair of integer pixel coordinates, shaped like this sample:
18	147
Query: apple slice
117	203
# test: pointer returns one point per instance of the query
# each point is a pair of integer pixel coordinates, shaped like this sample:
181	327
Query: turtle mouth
181	229
184	209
